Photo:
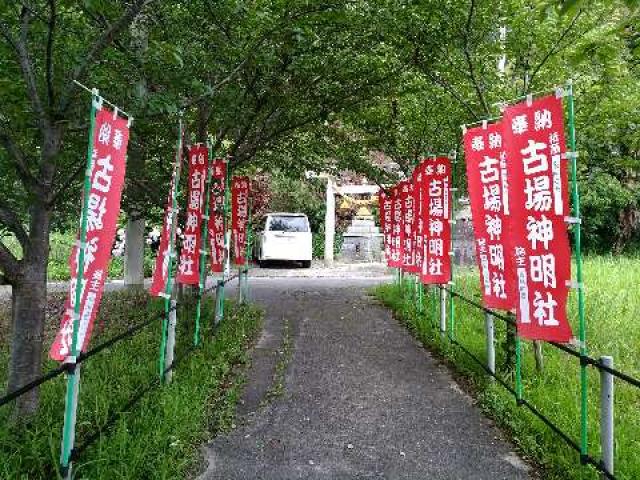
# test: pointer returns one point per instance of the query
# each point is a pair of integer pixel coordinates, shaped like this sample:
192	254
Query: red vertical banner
216	215
386	221
488	195
240	217
395	258
406	196
436	263
538	182
418	221
161	271
110	139
189	266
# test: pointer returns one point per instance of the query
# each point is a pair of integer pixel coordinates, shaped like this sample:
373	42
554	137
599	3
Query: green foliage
160	436
290	194
603	200
612	329
318	244
60	248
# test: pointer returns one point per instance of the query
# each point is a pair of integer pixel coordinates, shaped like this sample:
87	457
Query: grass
159	436
60	248
612	312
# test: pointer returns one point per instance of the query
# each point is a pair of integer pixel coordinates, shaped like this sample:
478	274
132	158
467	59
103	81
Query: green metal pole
578	258
452	220
174	218
203	250
73	377
248	251
227	238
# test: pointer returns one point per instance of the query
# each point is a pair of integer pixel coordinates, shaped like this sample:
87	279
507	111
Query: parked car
284	236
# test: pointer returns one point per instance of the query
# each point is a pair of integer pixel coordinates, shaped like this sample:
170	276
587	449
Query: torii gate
330	213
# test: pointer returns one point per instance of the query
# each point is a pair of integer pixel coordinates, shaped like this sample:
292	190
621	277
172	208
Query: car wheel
306	263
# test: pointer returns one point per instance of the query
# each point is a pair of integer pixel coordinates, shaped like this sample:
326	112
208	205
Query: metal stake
606	415
168	291
490	343
171	342
443	311
575	196
219	315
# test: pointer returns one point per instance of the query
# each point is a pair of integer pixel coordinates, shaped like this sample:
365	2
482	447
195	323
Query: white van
284	236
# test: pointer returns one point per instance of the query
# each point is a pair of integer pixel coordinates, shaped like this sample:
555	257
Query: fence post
443	311
606	415
490	343
219	301
240	289
171	342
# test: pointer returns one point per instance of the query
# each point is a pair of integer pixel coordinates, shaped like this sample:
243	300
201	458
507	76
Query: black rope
115	415
483	366
496	314
584	459
50	375
587	360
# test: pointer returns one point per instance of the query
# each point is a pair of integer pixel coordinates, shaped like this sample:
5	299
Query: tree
36	122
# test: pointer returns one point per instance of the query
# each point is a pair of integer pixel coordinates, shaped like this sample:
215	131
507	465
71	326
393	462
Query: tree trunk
134	253
29	305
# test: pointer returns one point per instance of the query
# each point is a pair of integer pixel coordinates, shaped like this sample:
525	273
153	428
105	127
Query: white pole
171	341
443	310
329	224
490	343
134	254
606	415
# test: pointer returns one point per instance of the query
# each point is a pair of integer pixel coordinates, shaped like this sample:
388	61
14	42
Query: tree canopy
296	85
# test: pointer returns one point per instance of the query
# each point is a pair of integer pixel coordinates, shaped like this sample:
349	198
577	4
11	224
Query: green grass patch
160	435
612	312
60	244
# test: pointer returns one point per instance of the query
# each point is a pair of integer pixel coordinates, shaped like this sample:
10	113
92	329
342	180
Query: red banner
538	198
418	222
488	195
406	196
240	217
110	139
436	264
189	266
386	222
395	258
161	272
216	215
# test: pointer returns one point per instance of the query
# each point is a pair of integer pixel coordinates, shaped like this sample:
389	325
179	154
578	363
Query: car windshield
288	224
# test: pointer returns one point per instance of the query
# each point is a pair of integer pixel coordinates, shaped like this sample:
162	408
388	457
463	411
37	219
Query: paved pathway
361	398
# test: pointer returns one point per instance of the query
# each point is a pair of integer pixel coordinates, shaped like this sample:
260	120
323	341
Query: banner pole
73	376
204	243
452	220
578	257
168	290
248	248
227	236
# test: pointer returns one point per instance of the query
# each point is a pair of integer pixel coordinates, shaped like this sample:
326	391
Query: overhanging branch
101	43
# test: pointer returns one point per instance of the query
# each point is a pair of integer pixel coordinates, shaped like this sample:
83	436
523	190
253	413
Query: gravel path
360	398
